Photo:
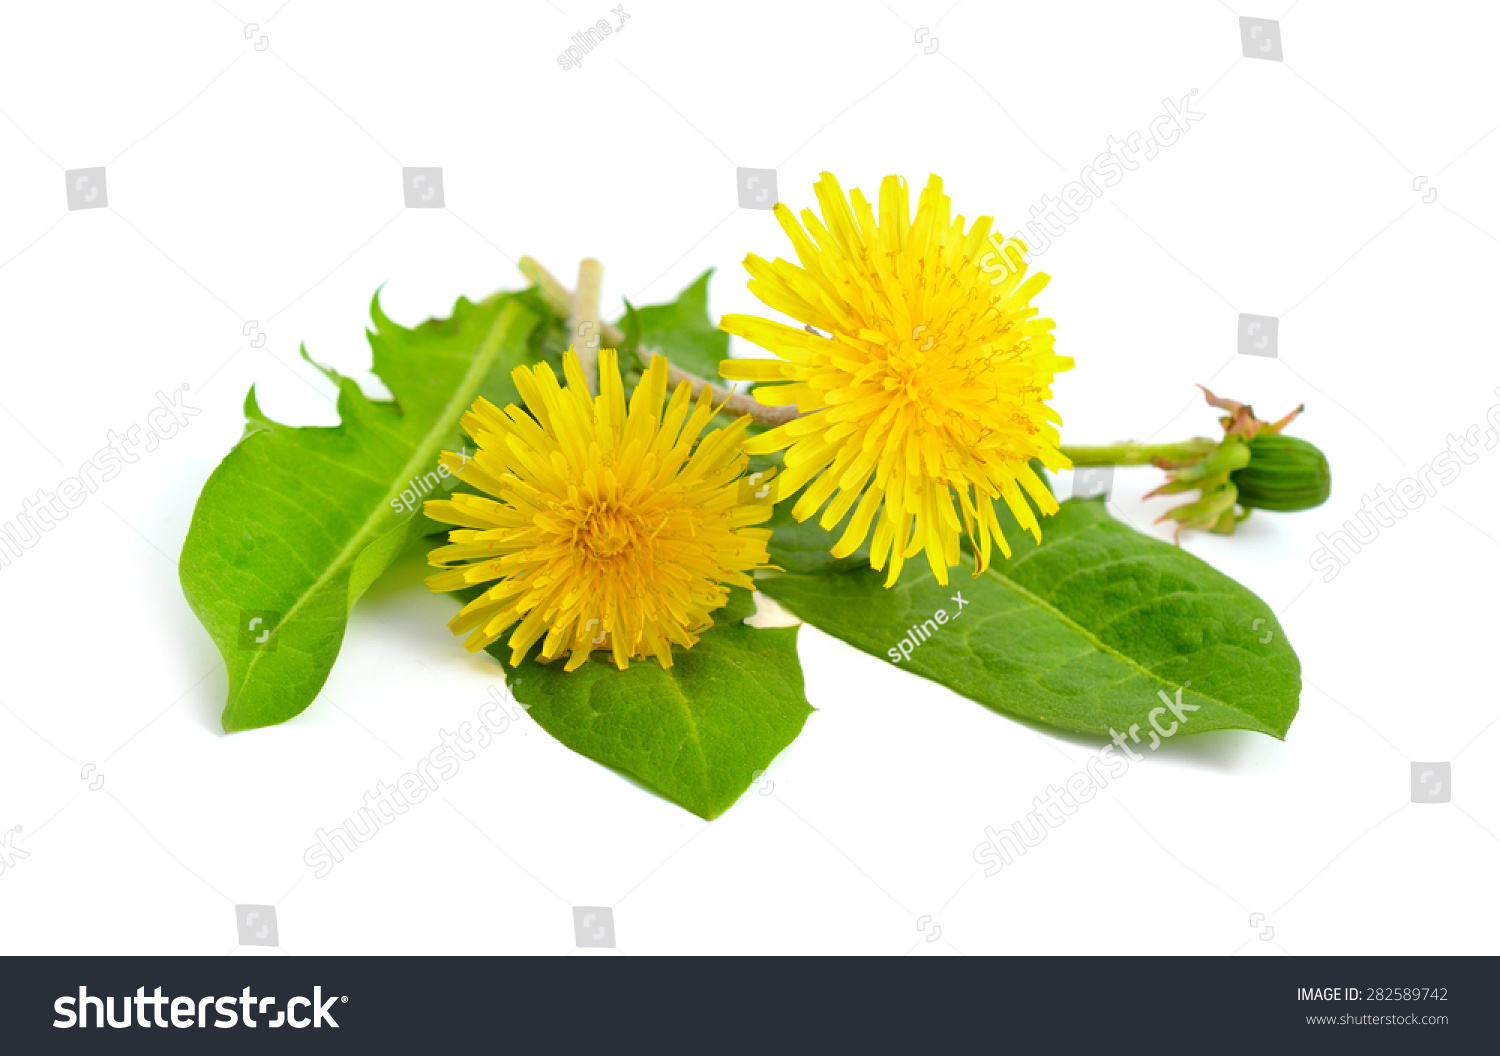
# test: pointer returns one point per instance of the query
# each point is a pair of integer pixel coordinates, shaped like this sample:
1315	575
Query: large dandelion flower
611	530
931	384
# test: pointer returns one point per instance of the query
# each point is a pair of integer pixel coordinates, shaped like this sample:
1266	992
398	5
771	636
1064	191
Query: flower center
608	531
910	368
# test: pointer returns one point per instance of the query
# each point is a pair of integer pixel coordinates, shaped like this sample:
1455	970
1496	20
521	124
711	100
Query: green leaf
682	330
296	523
549	338
1084	632
630	327
699	733
804	546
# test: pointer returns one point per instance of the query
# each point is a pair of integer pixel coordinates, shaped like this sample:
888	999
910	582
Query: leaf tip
252	409
377	314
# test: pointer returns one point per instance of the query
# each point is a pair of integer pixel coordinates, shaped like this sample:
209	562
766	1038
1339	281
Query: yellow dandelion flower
609	529
932	383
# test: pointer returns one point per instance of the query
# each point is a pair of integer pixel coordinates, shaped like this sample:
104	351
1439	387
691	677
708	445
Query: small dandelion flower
609	528
931	384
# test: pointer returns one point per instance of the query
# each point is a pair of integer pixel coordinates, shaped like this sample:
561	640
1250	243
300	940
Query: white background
265	185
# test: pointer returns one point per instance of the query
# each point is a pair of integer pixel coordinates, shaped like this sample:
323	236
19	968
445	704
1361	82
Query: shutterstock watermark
186	1013
586	40
418	488
918	633
47	509
10	854
1051	217
384	805
1338	548
1002	847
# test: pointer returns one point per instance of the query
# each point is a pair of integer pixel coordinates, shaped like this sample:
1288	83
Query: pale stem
734	403
561	301
583	323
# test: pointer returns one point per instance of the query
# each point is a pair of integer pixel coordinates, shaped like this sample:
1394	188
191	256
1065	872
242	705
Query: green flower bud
1284	474
1252	467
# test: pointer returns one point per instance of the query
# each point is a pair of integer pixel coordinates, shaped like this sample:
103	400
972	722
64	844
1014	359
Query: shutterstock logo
186	1013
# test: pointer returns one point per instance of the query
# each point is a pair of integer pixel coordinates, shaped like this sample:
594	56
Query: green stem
1131	453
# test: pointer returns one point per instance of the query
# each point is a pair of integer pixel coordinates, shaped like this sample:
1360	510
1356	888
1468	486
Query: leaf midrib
1099	644
457	403
680	698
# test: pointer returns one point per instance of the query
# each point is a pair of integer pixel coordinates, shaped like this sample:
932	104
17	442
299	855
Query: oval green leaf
699	733
1096	630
